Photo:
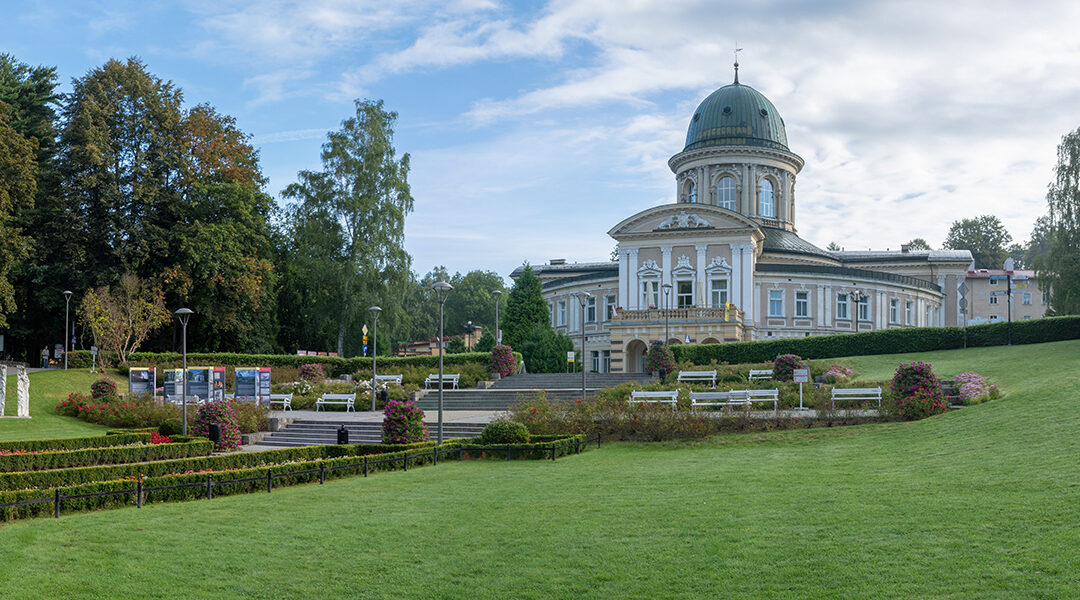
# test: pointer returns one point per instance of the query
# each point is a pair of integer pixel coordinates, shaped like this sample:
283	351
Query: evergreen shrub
504	431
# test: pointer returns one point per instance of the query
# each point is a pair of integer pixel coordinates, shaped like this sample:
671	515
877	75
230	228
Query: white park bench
669	397
346	399
857	394
284	399
698	377
756	374
734	398
433	379
390	379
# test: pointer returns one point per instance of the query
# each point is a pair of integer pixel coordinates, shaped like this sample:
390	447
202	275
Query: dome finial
737	51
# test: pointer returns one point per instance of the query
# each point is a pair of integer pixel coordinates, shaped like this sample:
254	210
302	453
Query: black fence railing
141	491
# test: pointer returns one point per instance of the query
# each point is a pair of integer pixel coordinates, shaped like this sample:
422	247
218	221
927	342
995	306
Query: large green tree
1058	265
525	308
347	227
544	350
18	184
984	236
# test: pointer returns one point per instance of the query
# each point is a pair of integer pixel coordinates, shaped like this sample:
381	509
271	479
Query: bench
760	374
433	379
671	397
860	394
346	399
390	379
698	377
734	398
284	399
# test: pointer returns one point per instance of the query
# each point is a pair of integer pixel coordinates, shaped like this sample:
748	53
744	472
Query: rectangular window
718	293
596	361
1044	294
685	294
561	314
864	309
590	309
650	296
993	281
993	299
802	304
605	361
926	320
1027	297
894	311
551	313
1027	317
776	303
609	307
841	307
909	313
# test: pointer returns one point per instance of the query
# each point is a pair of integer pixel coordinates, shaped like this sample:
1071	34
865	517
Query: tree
984	236
121	318
833	247
18	184
918	244
455	346
525	308
1058	267
544	350
486	343
348	226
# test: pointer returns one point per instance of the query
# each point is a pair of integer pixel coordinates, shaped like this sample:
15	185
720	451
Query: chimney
558	261
905	248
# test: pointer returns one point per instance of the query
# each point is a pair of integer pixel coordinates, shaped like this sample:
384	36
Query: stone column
702	293
3	388
665	269
631	271
24	392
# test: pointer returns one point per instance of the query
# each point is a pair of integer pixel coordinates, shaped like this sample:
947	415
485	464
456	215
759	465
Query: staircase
511	390
321	433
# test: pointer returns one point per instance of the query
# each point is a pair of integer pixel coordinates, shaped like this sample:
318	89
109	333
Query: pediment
681	218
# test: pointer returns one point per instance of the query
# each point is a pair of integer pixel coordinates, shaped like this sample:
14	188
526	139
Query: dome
736	115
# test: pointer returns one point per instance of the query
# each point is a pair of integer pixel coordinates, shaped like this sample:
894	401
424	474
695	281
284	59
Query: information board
218	377
173	380
254	383
141	380
199	383
801	375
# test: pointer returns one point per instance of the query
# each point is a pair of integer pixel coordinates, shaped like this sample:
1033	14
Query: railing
709	315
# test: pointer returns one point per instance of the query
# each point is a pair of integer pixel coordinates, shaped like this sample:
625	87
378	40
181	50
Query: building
724	262
430	346
988	300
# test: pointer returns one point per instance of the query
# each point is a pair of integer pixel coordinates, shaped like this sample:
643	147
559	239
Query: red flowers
157	438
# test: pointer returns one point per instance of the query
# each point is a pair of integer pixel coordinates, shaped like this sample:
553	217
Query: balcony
679	315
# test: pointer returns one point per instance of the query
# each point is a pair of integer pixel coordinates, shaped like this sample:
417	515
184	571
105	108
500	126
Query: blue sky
535	127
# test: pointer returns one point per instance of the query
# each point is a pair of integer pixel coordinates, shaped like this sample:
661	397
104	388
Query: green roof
736	115
784	241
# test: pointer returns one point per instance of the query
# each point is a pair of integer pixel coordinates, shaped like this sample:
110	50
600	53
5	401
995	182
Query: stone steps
323	433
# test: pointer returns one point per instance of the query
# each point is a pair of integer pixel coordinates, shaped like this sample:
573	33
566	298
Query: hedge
335	365
100	441
883	341
108	455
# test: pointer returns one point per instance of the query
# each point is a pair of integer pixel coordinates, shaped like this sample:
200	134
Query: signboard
963	289
173	380
254	383
1022	285
206	383
219	383
998	277
963	303
687	338
141	380
801	376
570	357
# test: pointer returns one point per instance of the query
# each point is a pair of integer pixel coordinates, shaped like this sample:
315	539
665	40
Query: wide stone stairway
510	390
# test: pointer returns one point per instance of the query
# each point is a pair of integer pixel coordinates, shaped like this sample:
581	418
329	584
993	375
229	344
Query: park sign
801	375
141	380
254	383
570	357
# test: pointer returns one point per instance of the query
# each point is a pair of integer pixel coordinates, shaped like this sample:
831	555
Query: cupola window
725	192
766	205
691	193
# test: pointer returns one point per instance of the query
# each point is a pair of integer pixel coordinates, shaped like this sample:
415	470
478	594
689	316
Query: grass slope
982	502
47	389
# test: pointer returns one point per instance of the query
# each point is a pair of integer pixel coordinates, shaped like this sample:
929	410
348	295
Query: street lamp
183	314
498	296
468	335
375	310
667	308
857	296
583	298
442	290
67	305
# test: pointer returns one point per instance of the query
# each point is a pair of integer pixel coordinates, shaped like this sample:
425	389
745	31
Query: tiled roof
784	241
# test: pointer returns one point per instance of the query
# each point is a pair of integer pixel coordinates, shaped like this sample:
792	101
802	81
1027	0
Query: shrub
502	361
973	388
403	423
660	358
312	372
70	406
250	416
103	389
784	366
921	403
220	412
504	432
171	426
838	374
916	376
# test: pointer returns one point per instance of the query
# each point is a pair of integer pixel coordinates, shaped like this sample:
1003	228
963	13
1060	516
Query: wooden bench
668	397
859	394
346	399
390	378
433	379
760	374
698	377
734	398
284	399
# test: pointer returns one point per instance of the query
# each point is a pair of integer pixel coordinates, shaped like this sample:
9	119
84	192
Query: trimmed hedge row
63	459
334	365
884	341
100	441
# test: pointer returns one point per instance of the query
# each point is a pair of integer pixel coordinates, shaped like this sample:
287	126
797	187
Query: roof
987	273
855	256
570	269
736	115
848	272
786	242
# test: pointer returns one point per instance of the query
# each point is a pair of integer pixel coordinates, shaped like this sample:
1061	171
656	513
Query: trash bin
384	397
215	432
342	435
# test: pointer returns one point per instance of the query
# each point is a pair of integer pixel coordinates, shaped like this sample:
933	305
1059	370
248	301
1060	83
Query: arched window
725	192
691	192
766	208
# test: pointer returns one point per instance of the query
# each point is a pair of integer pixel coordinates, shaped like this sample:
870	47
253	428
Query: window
926	321
609	307
842	307
864	309
551	314
684	291
909	312
725	192
993	281
776	303
894	311
993	299
561	314
650	294
1027	297
765	199
590	309
718	292
596	361
1044	295
605	361
802	304
1027	317
691	192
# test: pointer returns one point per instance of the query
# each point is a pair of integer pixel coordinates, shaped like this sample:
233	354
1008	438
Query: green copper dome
736	115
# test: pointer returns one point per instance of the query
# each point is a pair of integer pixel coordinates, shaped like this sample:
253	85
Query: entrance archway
635	356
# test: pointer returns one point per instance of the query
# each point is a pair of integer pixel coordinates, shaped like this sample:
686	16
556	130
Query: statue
23	392
3	388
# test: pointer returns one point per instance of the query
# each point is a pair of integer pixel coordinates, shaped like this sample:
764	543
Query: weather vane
737	51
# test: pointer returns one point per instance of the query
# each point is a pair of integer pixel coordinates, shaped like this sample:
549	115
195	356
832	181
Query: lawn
47	389
983	502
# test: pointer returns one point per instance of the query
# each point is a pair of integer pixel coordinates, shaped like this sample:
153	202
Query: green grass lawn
983	502
47	389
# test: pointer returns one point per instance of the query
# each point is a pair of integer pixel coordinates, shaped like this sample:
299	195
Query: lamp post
183	314
468	335
667	308
857	296
442	290
375	310
498	296
583	299
1008	267
67	305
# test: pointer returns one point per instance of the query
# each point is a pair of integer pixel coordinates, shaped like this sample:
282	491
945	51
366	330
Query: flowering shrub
973	388
157	438
660	358
784	366
70	406
502	360
220	412
922	403
909	378
139	411
838	374
312	372
403	423
103	389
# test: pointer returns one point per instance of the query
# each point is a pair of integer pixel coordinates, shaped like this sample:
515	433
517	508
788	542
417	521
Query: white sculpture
3	388
24	392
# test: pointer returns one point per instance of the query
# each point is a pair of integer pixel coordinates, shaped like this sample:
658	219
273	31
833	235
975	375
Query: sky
533	128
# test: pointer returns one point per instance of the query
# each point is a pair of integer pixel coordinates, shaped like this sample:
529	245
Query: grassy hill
982	502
